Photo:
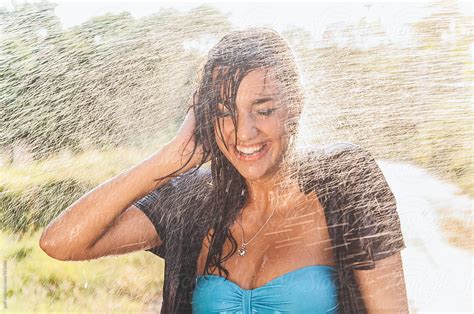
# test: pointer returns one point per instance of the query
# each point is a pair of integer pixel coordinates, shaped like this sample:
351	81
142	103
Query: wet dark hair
228	62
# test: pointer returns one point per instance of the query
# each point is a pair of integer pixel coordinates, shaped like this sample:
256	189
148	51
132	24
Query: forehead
259	82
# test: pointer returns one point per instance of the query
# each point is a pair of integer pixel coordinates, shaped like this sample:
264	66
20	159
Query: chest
295	237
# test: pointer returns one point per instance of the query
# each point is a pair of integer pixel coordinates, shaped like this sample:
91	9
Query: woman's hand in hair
184	147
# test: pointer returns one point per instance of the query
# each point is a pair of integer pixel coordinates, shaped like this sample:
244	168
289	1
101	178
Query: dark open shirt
359	206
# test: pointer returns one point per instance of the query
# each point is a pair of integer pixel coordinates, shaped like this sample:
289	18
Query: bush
25	211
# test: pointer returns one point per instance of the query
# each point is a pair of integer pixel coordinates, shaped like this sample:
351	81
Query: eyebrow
262	100
258	101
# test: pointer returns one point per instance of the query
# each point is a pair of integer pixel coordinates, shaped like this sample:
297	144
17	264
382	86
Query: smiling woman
257	147
269	228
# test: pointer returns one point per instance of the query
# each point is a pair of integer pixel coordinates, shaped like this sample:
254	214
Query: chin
256	173
252	176
256	167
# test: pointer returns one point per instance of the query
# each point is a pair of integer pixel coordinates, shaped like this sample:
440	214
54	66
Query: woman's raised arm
103	222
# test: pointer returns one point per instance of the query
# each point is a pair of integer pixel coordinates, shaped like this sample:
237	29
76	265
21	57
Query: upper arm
150	221
383	287
131	231
373	231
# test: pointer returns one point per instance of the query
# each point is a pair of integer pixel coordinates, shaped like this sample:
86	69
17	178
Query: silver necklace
243	248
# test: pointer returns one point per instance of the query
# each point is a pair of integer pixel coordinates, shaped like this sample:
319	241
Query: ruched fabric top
311	289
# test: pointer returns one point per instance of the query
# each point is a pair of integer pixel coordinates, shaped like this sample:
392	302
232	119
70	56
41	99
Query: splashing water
81	104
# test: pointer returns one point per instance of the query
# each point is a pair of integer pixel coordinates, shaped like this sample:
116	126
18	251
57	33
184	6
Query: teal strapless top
311	289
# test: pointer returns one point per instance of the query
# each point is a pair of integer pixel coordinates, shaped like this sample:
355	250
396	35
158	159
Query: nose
246	128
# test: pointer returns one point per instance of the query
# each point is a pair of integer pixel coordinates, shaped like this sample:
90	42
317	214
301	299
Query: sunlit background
88	89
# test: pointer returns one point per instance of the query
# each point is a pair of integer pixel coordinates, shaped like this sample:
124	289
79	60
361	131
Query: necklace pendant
242	250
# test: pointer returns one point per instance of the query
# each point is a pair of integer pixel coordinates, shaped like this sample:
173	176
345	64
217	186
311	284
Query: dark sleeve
372	225
174	205
158	207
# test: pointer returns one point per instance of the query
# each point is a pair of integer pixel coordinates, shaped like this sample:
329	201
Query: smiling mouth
251	152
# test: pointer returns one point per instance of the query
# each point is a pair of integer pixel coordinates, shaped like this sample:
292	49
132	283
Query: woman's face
261	114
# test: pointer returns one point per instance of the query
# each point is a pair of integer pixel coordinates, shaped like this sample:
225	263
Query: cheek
222	136
224	130
220	144
277	127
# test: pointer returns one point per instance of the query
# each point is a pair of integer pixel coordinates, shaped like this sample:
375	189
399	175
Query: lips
251	152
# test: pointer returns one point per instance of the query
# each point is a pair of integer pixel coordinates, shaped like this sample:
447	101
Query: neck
271	193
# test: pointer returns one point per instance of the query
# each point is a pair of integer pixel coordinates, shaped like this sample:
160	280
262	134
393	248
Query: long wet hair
233	57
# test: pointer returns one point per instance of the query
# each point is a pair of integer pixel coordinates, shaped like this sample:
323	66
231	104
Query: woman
268	228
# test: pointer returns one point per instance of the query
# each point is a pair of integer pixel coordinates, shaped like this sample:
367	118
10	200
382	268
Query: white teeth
250	150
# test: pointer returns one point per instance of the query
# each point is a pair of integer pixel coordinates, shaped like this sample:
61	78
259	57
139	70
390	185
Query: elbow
62	250
59	251
50	249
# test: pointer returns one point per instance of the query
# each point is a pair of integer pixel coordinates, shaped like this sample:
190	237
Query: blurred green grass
91	167
31	195
37	283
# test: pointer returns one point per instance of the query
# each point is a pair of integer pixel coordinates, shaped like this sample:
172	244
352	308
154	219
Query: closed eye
266	112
